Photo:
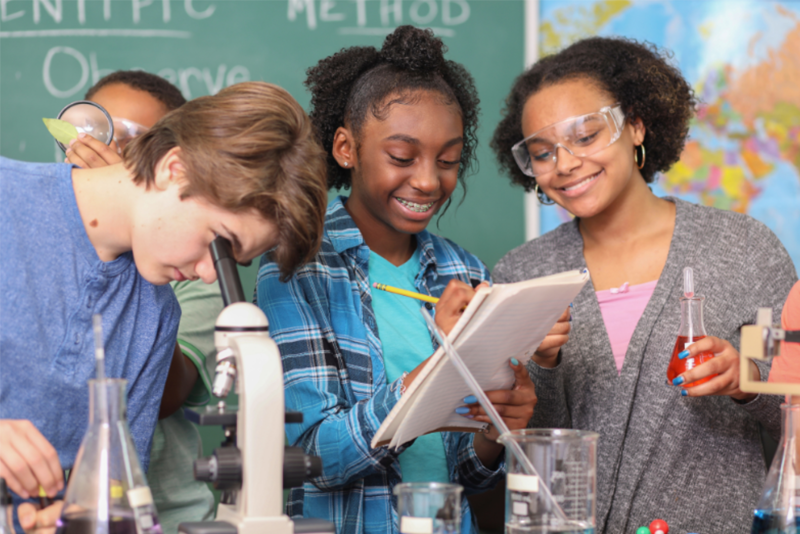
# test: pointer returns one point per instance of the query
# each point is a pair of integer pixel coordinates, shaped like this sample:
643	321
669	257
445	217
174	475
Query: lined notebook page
395	417
510	322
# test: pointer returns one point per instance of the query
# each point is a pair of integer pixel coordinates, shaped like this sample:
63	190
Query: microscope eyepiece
230	284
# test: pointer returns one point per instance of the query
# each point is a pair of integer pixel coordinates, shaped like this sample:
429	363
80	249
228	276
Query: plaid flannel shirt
324	324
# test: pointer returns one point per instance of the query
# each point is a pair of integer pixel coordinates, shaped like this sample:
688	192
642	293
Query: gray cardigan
697	463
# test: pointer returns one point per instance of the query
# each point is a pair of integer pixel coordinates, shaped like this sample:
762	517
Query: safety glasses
581	136
125	130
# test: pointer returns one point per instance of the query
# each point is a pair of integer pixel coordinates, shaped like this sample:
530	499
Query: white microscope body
254	469
242	332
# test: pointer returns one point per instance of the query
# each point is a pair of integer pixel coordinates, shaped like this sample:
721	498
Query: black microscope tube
227	275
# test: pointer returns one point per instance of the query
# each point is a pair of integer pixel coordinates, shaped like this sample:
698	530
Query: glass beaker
778	510
691	330
429	507
107	492
566	461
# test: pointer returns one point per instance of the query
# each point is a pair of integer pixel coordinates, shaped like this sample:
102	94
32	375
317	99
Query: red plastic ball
659	526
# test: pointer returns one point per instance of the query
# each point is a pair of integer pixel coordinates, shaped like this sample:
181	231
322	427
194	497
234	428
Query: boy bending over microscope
243	164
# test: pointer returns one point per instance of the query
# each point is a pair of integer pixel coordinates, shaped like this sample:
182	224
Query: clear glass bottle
778	510
429	507
107	491
5	506
691	330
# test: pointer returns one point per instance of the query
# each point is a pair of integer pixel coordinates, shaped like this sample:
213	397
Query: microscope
762	341
252	467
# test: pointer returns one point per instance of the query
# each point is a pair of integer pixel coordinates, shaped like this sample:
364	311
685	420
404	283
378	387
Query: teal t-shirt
406	344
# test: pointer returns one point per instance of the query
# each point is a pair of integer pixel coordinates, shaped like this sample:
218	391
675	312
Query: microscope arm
762	341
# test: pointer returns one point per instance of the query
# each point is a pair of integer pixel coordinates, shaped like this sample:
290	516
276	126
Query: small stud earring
346	164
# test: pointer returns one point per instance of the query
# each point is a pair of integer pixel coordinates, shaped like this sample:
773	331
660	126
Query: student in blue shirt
399	126
243	164
136	100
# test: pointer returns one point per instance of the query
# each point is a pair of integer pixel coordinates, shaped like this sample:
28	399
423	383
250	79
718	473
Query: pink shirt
622	308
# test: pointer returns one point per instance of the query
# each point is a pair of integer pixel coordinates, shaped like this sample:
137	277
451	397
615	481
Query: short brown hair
250	146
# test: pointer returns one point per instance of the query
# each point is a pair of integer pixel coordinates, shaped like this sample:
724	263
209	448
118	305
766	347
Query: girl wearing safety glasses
589	128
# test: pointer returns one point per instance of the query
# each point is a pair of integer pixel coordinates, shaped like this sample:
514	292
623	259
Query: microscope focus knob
204	471
229	468
299	467
223	469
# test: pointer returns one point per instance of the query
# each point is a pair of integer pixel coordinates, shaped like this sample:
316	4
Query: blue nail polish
470	399
514	361
678	381
461	410
683	354
684	393
570	305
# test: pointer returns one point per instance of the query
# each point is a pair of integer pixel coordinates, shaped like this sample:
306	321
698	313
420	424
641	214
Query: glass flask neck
692	317
107	400
790	414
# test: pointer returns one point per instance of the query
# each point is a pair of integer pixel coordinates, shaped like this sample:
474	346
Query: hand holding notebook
502	322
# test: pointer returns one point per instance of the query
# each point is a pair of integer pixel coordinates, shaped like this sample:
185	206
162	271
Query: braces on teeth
413	206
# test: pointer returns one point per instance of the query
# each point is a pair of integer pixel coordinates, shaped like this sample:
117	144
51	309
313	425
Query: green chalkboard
52	51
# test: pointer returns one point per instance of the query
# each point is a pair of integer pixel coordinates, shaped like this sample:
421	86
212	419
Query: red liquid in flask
678	366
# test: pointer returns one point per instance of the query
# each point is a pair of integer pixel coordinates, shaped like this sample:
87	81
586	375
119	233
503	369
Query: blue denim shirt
324	324
52	282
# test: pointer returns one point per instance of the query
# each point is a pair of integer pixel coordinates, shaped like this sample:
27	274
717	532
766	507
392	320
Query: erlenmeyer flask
5	504
107	492
778	510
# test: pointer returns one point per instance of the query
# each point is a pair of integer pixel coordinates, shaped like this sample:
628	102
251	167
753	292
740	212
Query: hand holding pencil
449	307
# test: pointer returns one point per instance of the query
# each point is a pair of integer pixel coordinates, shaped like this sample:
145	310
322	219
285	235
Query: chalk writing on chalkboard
380	18
67	59
213	79
34	9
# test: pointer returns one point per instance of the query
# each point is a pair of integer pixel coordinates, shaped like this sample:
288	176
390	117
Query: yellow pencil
398	291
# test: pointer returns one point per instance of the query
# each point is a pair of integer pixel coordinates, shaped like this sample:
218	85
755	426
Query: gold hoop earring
542	197
636	156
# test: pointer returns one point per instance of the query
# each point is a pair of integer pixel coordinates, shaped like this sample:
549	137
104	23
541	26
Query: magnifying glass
89	118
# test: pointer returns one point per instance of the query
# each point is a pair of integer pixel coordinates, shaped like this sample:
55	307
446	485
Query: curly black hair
637	75
158	87
360	79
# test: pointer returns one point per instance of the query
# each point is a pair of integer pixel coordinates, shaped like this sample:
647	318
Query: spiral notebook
501	322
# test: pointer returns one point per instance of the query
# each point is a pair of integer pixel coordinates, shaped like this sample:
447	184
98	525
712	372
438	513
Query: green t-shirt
406	343
176	442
